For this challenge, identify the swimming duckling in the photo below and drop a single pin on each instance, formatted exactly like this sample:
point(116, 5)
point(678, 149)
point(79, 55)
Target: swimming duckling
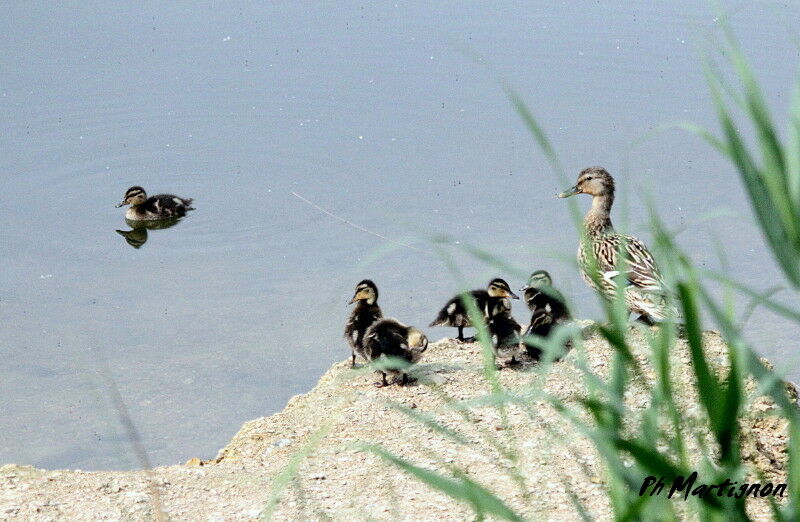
point(161, 206)
point(391, 338)
point(504, 330)
point(455, 314)
point(645, 292)
point(364, 314)
point(547, 309)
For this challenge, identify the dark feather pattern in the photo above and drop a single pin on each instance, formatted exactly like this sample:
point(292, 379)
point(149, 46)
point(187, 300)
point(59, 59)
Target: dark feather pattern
point(389, 338)
point(547, 311)
point(362, 317)
point(163, 206)
point(504, 330)
point(454, 313)
point(160, 206)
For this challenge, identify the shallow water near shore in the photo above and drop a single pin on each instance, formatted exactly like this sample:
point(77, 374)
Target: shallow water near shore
point(381, 115)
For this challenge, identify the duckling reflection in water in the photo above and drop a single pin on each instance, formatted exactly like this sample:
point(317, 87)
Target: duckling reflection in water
point(160, 206)
point(391, 339)
point(455, 313)
point(137, 235)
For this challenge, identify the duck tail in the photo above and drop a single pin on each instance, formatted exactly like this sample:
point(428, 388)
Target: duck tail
point(188, 203)
point(440, 320)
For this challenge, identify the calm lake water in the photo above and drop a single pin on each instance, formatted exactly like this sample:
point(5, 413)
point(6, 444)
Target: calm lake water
point(391, 115)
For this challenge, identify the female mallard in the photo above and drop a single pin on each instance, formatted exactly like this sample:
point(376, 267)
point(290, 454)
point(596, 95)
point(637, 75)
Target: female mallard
point(504, 330)
point(547, 309)
point(161, 206)
point(389, 338)
point(364, 314)
point(645, 293)
point(455, 314)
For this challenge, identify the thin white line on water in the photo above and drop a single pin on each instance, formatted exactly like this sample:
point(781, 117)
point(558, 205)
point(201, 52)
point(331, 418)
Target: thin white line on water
point(358, 227)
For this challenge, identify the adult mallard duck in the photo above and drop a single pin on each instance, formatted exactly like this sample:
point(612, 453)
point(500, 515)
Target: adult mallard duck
point(454, 313)
point(160, 206)
point(548, 309)
point(645, 293)
point(364, 314)
point(504, 330)
point(389, 338)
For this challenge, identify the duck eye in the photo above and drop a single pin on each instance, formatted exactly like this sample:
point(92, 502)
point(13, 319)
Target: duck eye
point(589, 178)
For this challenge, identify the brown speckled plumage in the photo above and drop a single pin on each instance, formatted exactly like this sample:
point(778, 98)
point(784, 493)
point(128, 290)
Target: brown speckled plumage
point(599, 250)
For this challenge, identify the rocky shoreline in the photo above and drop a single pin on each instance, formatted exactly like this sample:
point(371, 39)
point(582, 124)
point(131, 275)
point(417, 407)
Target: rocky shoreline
point(321, 434)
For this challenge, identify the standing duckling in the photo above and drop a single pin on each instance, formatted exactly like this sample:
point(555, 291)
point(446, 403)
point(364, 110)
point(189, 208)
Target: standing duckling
point(161, 206)
point(504, 330)
point(455, 314)
point(391, 338)
point(364, 314)
point(547, 309)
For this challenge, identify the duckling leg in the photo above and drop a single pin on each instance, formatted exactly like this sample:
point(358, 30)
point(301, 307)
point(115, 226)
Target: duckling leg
point(407, 380)
point(383, 382)
point(463, 339)
point(353, 363)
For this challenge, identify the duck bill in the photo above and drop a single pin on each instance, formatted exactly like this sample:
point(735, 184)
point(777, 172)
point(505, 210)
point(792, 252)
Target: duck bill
point(524, 288)
point(570, 192)
point(351, 301)
point(121, 204)
point(513, 295)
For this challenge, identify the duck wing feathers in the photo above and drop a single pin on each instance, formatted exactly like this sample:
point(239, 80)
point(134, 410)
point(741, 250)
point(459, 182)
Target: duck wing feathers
point(454, 313)
point(389, 338)
point(639, 266)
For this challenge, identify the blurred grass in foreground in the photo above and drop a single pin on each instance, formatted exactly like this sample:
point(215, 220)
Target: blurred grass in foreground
point(658, 441)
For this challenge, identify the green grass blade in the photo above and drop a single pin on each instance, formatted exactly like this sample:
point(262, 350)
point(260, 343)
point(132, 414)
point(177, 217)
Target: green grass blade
point(461, 488)
point(289, 473)
point(707, 384)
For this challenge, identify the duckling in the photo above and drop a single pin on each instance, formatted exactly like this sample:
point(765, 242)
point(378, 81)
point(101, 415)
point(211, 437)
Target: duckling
point(645, 292)
point(391, 338)
point(455, 314)
point(504, 330)
point(547, 309)
point(364, 314)
point(161, 206)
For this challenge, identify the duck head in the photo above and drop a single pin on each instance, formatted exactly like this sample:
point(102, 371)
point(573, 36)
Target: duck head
point(538, 279)
point(499, 288)
point(133, 196)
point(417, 343)
point(595, 181)
point(365, 291)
